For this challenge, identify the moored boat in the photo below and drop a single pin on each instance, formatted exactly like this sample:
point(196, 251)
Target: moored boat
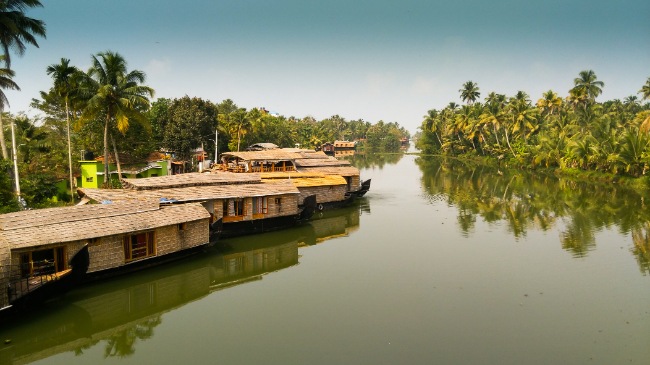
point(237, 204)
point(274, 163)
point(42, 251)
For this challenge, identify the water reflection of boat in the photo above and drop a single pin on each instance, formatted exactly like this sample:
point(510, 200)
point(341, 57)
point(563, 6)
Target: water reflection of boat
point(333, 224)
point(120, 311)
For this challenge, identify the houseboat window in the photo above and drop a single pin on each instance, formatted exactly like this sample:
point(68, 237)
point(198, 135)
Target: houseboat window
point(239, 206)
point(233, 208)
point(89, 179)
point(139, 246)
point(260, 205)
point(42, 262)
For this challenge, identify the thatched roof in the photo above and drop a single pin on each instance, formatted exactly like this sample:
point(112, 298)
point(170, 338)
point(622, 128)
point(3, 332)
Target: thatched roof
point(190, 179)
point(281, 154)
point(193, 193)
point(300, 180)
point(262, 146)
point(332, 170)
point(312, 162)
point(66, 224)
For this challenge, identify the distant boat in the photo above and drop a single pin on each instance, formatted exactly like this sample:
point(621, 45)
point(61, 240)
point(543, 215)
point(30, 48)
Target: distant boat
point(334, 182)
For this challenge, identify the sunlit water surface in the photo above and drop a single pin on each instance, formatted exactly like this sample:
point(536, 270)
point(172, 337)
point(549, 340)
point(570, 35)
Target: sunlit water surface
point(441, 263)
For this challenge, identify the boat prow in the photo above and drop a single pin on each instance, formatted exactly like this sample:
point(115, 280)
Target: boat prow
point(27, 292)
point(365, 186)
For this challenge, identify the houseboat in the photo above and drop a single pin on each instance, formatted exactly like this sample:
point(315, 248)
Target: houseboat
point(275, 163)
point(338, 148)
point(45, 251)
point(121, 305)
point(237, 204)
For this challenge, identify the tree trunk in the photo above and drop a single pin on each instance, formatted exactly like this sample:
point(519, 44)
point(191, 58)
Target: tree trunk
point(509, 146)
point(117, 159)
point(67, 116)
point(496, 135)
point(238, 137)
point(106, 177)
point(5, 155)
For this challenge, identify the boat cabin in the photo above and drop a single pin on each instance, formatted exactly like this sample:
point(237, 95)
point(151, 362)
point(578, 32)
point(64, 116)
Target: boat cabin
point(36, 246)
point(228, 199)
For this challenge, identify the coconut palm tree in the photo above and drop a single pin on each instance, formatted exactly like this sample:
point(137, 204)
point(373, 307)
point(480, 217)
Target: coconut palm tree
point(549, 103)
point(6, 82)
point(469, 93)
point(115, 95)
point(588, 84)
point(237, 122)
point(63, 75)
point(645, 90)
point(16, 29)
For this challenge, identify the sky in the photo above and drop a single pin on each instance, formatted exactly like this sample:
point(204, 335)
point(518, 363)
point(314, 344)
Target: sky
point(370, 59)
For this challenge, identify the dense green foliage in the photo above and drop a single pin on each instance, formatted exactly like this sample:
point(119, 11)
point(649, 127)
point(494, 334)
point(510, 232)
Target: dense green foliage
point(576, 132)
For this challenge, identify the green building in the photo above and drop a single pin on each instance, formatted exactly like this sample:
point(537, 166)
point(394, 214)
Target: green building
point(92, 172)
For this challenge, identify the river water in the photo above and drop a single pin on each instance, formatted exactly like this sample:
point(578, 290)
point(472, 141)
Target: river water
point(441, 263)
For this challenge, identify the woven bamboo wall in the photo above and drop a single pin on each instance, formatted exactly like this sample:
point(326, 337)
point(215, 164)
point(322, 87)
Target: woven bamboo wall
point(324, 194)
point(288, 206)
point(108, 252)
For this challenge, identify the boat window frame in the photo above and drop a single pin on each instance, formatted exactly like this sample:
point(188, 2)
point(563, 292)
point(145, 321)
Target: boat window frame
point(145, 249)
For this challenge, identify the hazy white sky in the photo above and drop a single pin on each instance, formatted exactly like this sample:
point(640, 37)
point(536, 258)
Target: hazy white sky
point(370, 59)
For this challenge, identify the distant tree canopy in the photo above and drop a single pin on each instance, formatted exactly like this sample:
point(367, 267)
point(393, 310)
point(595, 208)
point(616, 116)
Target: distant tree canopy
point(574, 132)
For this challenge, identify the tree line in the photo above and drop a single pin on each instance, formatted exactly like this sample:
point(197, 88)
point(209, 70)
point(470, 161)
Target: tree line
point(575, 132)
point(108, 109)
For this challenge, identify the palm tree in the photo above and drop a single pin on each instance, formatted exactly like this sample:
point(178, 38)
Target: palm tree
point(63, 75)
point(645, 90)
point(237, 122)
point(16, 29)
point(115, 95)
point(549, 103)
point(587, 84)
point(469, 93)
point(6, 82)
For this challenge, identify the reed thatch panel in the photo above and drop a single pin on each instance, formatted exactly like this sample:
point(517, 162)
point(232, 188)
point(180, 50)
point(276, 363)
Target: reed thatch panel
point(190, 179)
point(341, 170)
point(44, 217)
point(103, 226)
point(195, 193)
point(324, 194)
point(313, 162)
point(282, 154)
point(310, 180)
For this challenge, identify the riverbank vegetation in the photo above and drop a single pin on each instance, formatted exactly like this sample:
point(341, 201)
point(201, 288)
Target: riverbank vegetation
point(573, 134)
point(111, 111)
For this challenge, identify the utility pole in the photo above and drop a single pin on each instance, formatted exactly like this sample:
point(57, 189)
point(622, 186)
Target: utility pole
point(13, 149)
point(216, 151)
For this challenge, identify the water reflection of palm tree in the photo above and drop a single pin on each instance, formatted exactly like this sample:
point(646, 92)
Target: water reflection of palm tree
point(524, 200)
point(122, 343)
point(641, 248)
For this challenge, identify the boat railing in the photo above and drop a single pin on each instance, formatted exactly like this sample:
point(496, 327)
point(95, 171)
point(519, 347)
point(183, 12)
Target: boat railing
point(24, 278)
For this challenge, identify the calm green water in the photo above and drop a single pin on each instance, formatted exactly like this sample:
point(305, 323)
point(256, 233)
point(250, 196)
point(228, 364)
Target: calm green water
point(441, 263)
